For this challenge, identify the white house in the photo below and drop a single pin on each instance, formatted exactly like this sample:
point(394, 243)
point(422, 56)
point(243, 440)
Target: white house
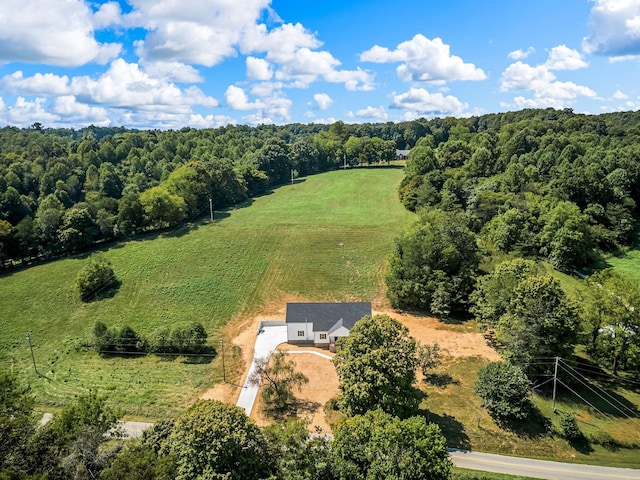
point(321, 324)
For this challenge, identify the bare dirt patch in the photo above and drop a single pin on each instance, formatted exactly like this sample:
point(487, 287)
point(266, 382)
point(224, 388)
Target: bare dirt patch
point(455, 342)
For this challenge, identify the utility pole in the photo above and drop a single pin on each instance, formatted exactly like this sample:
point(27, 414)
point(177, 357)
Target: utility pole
point(224, 372)
point(32, 355)
point(292, 177)
point(555, 379)
point(211, 208)
point(345, 161)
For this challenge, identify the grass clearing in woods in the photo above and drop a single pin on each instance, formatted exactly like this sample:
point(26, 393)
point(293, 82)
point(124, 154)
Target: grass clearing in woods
point(325, 238)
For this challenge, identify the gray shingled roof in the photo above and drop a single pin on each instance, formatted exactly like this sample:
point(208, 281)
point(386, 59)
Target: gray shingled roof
point(325, 315)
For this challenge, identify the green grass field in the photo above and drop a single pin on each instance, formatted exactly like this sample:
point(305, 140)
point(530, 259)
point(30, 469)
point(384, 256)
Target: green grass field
point(324, 238)
point(628, 265)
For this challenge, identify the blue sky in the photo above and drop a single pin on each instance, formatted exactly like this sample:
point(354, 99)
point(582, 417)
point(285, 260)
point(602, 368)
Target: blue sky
point(207, 63)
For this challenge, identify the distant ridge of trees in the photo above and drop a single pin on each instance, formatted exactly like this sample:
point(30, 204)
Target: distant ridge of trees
point(571, 179)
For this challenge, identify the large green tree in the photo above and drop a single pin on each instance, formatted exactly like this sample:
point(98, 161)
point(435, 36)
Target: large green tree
point(496, 290)
point(540, 321)
point(214, 440)
point(434, 265)
point(611, 320)
point(504, 389)
point(17, 424)
point(379, 446)
point(376, 366)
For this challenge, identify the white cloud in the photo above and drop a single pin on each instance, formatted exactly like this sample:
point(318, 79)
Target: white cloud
point(281, 43)
point(620, 95)
point(172, 71)
point(521, 54)
point(353, 80)
point(377, 113)
point(108, 14)
point(424, 60)
point(323, 100)
point(614, 29)
point(24, 112)
point(258, 69)
point(55, 33)
point(292, 52)
point(565, 58)
point(547, 90)
point(275, 106)
point(421, 100)
point(39, 84)
point(69, 109)
point(126, 85)
point(237, 99)
point(202, 32)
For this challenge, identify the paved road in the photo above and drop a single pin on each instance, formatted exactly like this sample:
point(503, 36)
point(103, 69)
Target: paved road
point(538, 468)
point(130, 429)
point(266, 343)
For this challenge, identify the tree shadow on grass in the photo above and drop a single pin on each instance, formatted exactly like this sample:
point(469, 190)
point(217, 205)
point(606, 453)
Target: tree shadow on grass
point(452, 429)
point(534, 426)
point(103, 293)
point(441, 380)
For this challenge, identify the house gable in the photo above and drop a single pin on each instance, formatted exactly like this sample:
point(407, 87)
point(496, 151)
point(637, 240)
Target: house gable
point(327, 319)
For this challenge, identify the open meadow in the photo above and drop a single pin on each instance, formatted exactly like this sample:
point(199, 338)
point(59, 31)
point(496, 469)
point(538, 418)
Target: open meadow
point(325, 238)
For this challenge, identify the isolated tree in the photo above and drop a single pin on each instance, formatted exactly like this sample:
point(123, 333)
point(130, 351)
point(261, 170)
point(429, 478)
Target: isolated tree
point(379, 446)
point(278, 380)
point(95, 278)
point(429, 357)
point(376, 366)
point(215, 440)
point(504, 389)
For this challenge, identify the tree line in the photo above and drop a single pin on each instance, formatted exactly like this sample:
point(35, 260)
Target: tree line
point(62, 191)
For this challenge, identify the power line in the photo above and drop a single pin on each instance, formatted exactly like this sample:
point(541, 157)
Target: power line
point(580, 397)
point(603, 391)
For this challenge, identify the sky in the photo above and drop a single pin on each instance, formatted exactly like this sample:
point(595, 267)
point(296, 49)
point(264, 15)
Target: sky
point(169, 64)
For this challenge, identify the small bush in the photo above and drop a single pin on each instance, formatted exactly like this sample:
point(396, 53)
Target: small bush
point(569, 427)
point(95, 278)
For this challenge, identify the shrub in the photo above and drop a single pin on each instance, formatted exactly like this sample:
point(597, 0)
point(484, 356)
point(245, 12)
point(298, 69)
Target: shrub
point(504, 389)
point(569, 427)
point(95, 278)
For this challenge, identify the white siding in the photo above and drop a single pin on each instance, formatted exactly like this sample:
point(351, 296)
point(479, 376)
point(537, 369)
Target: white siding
point(294, 328)
point(340, 332)
point(319, 341)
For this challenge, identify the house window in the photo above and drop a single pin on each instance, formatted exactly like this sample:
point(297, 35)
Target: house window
point(301, 333)
point(323, 336)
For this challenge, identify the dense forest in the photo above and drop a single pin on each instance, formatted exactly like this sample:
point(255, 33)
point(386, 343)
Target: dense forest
point(501, 196)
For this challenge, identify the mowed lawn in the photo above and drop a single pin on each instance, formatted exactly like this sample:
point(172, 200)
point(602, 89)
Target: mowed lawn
point(325, 238)
point(628, 265)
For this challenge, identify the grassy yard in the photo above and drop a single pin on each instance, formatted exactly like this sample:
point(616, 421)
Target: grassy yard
point(458, 410)
point(324, 238)
point(628, 265)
